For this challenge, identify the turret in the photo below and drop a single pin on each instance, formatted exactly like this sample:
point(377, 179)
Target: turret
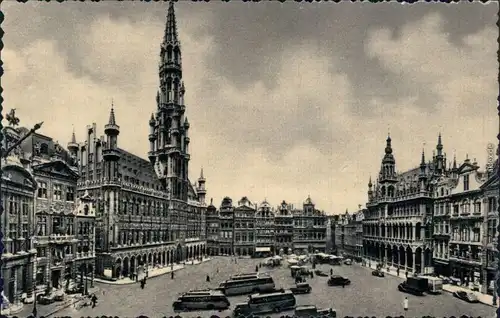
point(73, 145)
point(440, 167)
point(110, 153)
point(370, 190)
point(201, 188)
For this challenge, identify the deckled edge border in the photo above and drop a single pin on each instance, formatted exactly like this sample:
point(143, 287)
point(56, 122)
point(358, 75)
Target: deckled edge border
point(1, 142)
point(498, 170)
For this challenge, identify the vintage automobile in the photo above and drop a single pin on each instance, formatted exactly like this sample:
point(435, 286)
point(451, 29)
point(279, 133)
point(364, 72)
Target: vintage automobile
point(378, 273)
point(45, 300)
point(320, 273)
point(409, 289)
point(59, 295)
point(308, 311)
point(348, 261)
point(467, 296)
point(301, 288)
point(337, 280)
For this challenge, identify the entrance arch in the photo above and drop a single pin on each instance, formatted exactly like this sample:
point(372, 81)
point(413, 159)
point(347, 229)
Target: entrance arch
point(118, 268)
point(126, 268)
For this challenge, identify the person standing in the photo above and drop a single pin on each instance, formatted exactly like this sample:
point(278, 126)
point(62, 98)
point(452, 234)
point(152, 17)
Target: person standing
point(405, 304)
point(208, 279)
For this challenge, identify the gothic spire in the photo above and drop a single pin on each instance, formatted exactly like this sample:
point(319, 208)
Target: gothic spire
point(73, 137)
point(112, 119)
point(422, 161)
point(440, 143)
point(201, 175)
point(170, 35)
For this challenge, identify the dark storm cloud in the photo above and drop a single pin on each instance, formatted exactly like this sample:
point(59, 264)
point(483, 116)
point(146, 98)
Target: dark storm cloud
point(248, 37)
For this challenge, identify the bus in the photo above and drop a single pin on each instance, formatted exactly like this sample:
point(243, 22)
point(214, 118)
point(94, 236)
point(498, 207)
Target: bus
point(201, 300)
point(265, 303)
point(241, 286)
point(244, 276)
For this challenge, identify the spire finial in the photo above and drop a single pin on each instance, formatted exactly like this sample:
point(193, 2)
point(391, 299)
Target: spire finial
point(171, 27)
point(422, 162)
point(73, 137)
point(201, 173)
point(112, 119)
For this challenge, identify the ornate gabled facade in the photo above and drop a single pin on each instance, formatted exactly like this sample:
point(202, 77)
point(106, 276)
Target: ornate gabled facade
point(264, 229)
point(148, 212)
point(283, 225)
point(244, 228)
point(226, 219)
point(491, 201)
point(466, 223)
point(309, 230)
point(212, 225)
point(54, 236)
point(18, 222)
point(397, 222)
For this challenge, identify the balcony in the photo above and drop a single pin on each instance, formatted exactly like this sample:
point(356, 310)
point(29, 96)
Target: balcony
point(61, 239)
point(465, 259)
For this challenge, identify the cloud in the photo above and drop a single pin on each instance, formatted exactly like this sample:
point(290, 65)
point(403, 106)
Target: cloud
point(285, 141)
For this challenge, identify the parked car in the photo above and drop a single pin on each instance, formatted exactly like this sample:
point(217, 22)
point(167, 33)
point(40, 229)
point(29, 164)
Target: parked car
point(336, 280)
point(378, 273)
point(301, 288)
point(348, 261)
point(467, 296)
point(320, 273)
point(59, 295)
point(45, 300)
point(311, 311)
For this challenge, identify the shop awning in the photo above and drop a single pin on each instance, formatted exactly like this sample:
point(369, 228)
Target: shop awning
point(262, 249)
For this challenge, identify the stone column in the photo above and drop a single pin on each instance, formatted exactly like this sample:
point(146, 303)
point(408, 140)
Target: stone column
point(414, 267)
point(16, 285)
point(407, 256)
point(92, 276)
point(29, 280)
point(386, 254)
point(48, 275)
point(414, 231)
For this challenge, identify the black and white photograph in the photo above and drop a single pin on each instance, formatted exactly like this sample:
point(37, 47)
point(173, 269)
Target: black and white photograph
point(249, 159)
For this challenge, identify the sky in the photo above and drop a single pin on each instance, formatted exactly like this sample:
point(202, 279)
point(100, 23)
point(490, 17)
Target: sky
point(284, 100)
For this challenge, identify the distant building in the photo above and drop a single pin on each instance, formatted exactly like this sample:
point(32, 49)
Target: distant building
point(352, 234)
point(309, 232)
point(244, 228)
point(490, 229)
point(226, 217)
point(212, 224)
point(284, 228)
point(264, 230)
point(397, 226)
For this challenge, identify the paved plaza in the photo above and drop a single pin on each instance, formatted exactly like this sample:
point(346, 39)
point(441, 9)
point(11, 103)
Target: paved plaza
point(366, 296)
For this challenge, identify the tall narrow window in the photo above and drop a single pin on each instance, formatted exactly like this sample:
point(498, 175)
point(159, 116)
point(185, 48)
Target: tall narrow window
point(57, 192)
point(466, 183)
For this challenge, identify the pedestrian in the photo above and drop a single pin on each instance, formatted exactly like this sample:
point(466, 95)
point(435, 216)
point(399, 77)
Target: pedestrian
point(208, 279)
point(405, 304)
point(406, 274)
point(397, 271)
point(217, 270)
point(331, 271)
point(256, 268)
point(94, 300)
